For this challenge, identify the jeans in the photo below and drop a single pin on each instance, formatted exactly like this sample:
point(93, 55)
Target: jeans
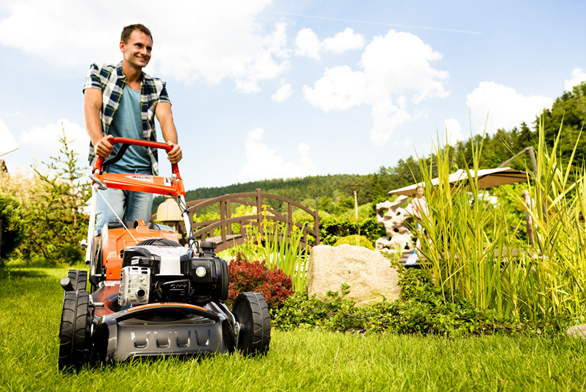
point(128, 205)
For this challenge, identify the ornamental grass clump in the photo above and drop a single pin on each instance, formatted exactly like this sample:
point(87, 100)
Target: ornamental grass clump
point(472, 253)
point(278, 244)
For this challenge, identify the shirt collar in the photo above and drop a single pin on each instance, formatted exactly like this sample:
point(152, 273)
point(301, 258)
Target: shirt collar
point(144, 77)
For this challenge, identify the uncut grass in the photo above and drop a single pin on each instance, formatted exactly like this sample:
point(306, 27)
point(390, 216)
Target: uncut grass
point(30, 306)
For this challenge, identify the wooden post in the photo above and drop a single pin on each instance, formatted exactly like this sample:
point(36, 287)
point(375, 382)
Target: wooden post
point(355, 204)
point(316, 226)
point(228, 216)
point(290, 218)
point(223, 217)
point(259, 210)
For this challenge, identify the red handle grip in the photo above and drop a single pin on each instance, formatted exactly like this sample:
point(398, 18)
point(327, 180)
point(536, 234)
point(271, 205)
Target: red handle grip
point(138, 142)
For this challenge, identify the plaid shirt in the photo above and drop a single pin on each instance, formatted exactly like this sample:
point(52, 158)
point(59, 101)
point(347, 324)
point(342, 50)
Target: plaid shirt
point(110, 80)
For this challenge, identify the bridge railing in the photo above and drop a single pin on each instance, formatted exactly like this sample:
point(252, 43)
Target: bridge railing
point(228, 238)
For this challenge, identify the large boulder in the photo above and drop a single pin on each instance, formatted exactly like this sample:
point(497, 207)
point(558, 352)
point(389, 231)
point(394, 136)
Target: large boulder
point(369, 274)
point(396, 221)
point(577, 331)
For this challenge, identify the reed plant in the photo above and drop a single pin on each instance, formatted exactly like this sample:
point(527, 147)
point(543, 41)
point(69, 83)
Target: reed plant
point(471, 250)
point(278, 244)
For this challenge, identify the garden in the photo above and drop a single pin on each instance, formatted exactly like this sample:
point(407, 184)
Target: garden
point(487, 311)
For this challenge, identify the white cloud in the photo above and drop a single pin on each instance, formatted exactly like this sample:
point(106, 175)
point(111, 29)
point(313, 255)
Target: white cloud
point(283, 93)
point(504, 107)
point(454, 131)
point(212, 40)
point(344, 41)
point(578, 76)
point(400, 63)
point(340, 88)
point(395, 67)
point(308, 44)
point(263, 162)
point(47, 138)
point(387, 117)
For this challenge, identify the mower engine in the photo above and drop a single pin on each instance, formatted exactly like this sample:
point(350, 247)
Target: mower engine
point(171, 273)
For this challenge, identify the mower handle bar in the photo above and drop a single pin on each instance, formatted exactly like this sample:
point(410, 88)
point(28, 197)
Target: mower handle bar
point(137, 142)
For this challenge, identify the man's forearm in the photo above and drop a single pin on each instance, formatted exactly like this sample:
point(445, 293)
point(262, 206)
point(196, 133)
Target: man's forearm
point(92, 105)
point(170, 133)
point(93, 125)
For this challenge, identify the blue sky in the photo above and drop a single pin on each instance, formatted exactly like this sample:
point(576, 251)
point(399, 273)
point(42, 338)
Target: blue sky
point(280, 89)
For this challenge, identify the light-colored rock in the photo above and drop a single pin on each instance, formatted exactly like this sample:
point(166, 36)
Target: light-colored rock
point(396, 221)
point(577, 331)
point(368, 273)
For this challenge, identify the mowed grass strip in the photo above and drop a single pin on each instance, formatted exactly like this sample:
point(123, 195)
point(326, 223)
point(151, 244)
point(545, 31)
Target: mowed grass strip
point(302, 360)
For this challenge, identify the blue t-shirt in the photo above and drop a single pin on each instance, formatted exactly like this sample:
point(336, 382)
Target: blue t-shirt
point(127, 123)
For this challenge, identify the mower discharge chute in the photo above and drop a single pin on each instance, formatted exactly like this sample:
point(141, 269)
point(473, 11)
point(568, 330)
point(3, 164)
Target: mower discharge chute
point(149, 295)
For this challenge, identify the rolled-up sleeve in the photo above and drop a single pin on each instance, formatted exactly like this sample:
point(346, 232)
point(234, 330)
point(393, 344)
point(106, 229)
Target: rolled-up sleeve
point(93, 79)
point(163, 96)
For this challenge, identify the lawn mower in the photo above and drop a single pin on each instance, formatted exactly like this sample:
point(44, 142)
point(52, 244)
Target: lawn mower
point(149, 295)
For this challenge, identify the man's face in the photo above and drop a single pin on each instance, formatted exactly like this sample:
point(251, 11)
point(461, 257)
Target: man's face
point(137, 51)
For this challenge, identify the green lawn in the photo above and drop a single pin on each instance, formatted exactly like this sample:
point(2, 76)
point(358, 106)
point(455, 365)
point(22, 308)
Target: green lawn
point(30, 306)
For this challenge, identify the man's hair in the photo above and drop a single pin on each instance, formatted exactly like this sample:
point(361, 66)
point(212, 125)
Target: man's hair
point(127, 31)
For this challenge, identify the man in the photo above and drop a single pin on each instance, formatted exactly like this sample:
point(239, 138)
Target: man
point(121, 100)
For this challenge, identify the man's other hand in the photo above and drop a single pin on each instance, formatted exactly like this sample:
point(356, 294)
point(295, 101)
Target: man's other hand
point(104, 148)
point(175, 154)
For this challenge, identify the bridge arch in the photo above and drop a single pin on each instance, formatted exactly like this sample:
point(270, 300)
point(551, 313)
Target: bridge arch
point(228, 238)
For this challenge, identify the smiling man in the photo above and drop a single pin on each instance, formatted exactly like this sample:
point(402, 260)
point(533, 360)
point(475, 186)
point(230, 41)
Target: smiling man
point(122, 101)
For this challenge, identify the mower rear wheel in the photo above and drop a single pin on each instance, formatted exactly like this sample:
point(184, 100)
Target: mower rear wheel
point(252, 313)
point(74, 331)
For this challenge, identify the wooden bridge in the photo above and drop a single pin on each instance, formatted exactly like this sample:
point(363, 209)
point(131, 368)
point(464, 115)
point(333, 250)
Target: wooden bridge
point(204, 230)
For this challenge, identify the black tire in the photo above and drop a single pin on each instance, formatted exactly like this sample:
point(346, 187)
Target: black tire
point(220, 292)
point(252, 313)
point(74, 331)
point(78, 279)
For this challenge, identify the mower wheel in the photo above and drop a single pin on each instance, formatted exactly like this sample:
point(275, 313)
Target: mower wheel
point(78, 279)
point(74, 331)
point(252, 313)
point(221, 290)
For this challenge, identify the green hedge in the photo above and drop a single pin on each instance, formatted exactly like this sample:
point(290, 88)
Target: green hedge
point(356, 240)
point(332, 228)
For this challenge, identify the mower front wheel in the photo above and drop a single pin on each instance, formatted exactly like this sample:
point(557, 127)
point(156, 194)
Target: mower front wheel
point(74, 331)
point(78, 279)
point(252, 313)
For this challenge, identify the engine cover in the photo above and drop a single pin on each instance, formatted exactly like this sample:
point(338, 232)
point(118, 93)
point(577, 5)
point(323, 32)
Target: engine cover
point(174, 273)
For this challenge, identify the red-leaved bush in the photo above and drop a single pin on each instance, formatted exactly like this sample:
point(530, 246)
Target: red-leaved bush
point(274, 285)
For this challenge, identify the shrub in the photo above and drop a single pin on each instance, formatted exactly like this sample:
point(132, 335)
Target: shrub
point(11, 217)
point(357, 240)
point(332, 227)
point(274, 284)
point(421, 310)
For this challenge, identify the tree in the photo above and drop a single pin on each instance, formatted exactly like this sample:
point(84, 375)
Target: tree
point(56, 221)
point(12, 229)
point(568, 114)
